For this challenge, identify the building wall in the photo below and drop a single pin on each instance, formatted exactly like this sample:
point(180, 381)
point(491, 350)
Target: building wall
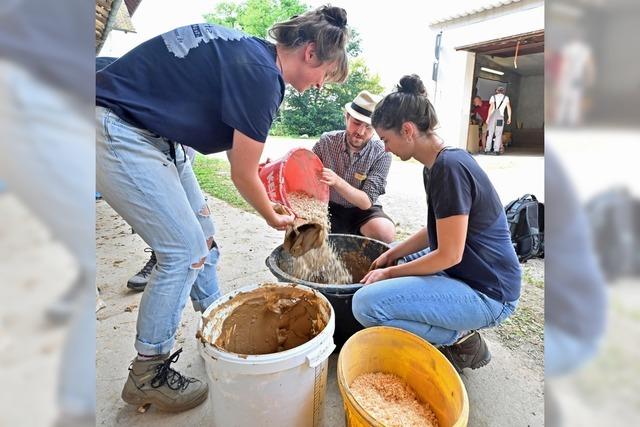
point(530, 107)
point(453, 90)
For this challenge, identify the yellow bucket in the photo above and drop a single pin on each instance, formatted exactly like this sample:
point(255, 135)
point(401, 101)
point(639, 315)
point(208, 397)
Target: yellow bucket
point(420, 364)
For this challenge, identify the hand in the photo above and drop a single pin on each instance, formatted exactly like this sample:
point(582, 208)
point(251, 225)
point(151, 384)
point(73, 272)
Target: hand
point(329, 177)
point(509, 121)
point(376, 276)
point(382, 261)
point(279, 221)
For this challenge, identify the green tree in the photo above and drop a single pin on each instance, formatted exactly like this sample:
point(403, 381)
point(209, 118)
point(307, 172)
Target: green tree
point(314, 111)
point(255, 17)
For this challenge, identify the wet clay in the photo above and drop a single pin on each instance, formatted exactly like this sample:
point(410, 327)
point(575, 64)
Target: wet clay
point(357, 264)
point(272, 319)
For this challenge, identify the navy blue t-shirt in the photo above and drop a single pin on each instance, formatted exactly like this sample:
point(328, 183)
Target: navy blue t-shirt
point(458, 186)
point(195, 85)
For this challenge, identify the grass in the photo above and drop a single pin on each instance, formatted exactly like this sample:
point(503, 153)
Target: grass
point(529, 278)
point(524, 330)
point(526, 325)
point(214, 176)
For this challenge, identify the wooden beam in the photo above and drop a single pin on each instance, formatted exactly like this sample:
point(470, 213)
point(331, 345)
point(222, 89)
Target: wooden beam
point(524, 49)
point(533, 35)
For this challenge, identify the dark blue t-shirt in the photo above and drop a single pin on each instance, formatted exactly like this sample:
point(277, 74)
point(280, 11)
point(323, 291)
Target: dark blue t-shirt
point(195, 85)
point(458, 186)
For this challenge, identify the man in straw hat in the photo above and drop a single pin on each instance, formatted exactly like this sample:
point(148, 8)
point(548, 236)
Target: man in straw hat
point(356, 166)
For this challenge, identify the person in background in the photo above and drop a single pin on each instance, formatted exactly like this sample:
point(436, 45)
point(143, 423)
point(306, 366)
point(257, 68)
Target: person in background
point(479, 115)
point(356, 167)
point(497, 104)
point(214, 89)
point(461, 272)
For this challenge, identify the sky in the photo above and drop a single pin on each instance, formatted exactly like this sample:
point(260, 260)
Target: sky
point(395, 40)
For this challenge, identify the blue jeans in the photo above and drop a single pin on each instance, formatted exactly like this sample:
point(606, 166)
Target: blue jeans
point(163, 202)
point(437, 307)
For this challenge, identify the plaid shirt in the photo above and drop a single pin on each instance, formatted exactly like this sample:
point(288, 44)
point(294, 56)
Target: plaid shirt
point(365, 170)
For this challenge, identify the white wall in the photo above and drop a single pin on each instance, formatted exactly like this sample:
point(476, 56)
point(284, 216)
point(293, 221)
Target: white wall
point(530, 108)
point(453, 92)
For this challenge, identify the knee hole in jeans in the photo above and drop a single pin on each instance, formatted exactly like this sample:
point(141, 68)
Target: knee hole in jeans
point(198, 265)
point(205, 212)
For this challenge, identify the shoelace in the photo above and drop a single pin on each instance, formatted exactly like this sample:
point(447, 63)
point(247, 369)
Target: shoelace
point(168, 376)
point(146, 270)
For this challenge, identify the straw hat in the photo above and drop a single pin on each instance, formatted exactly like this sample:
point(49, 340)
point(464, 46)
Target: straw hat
point(362, 106)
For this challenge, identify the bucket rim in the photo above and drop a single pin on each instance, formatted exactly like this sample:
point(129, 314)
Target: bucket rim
point(346, 392)
point(270, 358)
point(322, 287)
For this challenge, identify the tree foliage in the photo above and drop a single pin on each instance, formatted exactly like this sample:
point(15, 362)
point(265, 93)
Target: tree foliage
point(314, 111)
point(255, 17)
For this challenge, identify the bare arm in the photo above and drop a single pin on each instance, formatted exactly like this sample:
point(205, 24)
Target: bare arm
point(509, 111)
point(452, 234)
point(244, 157)
point(415, 243)
point(354, 196)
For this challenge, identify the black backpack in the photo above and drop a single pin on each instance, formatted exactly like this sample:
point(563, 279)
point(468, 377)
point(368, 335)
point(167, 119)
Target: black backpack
point(525, 217)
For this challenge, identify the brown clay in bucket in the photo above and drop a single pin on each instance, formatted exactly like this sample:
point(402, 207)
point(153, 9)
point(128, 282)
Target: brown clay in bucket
point(272, 319)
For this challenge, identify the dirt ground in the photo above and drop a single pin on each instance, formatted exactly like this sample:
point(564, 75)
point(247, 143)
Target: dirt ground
point(507, 392)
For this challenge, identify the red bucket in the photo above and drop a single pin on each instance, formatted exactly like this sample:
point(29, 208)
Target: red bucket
point(298, 171)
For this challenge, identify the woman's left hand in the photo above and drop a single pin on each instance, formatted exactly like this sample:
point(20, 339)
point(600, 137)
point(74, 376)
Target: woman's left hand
point(376, 276)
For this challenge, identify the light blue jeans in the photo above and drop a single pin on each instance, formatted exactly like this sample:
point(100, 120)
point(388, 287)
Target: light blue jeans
point(163, 202)
point(437, 307)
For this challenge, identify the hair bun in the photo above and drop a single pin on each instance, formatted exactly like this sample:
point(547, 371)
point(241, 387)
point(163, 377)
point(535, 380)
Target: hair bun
point(335, 16)
point(411, 84)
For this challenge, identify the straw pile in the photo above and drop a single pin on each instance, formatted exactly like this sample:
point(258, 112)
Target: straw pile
point(391, 401)
point(322, 264)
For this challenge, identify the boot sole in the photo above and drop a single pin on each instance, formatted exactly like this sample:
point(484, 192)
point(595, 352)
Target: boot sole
point(137, 288)
point(483, 362)
point(142, 402)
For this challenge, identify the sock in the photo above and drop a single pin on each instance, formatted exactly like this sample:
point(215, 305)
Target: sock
point(145, 357)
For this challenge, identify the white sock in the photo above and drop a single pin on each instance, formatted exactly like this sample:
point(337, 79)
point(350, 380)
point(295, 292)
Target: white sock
point(144, 357)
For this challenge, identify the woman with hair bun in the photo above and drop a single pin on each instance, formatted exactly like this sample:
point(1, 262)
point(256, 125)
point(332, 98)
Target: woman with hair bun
point(460, 272)
point(214, 89)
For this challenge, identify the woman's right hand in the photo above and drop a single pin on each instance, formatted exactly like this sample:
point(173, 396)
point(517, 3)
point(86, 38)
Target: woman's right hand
point(384, 260)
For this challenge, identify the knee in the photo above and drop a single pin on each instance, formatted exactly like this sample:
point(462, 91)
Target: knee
point(198, 265)
point(379, 229)
point(190, 251)
point(362, 308)
point(387, 233)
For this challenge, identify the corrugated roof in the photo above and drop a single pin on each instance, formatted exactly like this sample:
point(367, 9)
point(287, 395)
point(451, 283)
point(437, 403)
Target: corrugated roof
point(478, 7)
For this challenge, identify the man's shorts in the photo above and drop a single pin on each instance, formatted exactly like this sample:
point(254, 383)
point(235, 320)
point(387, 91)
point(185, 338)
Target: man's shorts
point(349, 220)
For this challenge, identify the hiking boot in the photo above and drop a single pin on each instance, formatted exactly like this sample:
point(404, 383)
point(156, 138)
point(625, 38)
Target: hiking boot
point(470, 351)
point(139, 281)
point(153, 382)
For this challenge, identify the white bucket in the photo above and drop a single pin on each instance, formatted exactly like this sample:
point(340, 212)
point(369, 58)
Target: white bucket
point(284, 389)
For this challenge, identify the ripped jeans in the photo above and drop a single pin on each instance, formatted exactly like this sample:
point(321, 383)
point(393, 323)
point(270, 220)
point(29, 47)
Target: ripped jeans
point(163, 202)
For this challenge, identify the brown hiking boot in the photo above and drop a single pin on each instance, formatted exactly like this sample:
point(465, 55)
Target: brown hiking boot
point(470, 351)
point(153, 382)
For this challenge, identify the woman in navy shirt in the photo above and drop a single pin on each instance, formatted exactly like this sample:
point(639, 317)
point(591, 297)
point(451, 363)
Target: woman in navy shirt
point(461, 271)
point(214, 89)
